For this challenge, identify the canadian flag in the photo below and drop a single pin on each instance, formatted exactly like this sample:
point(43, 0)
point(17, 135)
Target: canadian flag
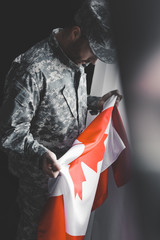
point(82, 184)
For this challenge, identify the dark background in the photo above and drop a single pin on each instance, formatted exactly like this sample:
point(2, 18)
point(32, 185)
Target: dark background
point(136, 28)
point(24, 23)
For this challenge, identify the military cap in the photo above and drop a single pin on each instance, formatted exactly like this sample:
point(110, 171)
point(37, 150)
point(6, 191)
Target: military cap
point(94, 19)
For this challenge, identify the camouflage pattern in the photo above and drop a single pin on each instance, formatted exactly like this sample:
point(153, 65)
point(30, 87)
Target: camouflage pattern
point(95, 21)
point(41, 110)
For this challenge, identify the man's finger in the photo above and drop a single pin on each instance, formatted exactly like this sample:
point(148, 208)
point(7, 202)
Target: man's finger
point(51, 173)
point(55, 168)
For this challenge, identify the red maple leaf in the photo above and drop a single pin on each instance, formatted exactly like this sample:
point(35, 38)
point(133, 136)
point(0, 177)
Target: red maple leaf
point(93, 138)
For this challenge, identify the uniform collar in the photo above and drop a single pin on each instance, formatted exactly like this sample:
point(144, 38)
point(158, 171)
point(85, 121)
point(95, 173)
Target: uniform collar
point(58, 51)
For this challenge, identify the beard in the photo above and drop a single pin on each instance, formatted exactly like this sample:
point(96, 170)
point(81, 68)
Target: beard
point(74, 51)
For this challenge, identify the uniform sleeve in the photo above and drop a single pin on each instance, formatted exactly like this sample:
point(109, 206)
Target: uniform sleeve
point(92, 103)
point(21, 100)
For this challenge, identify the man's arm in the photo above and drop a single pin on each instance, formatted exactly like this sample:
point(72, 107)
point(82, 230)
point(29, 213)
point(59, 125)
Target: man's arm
point(95, 104)
point(92, 103)
point(19, 107)
point(106, 96)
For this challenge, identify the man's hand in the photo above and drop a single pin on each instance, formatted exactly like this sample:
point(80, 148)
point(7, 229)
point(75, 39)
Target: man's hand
point(50, 165)
point(107, 96)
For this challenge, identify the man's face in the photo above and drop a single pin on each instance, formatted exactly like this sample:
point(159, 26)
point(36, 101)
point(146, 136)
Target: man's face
point(80, 52)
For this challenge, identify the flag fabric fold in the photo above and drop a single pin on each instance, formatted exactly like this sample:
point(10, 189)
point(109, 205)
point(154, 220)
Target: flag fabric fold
point(82, 184)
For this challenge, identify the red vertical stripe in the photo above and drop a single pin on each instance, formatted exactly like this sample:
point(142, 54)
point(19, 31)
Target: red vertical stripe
point(102, 190)
point(52, 221)
point(121, 167)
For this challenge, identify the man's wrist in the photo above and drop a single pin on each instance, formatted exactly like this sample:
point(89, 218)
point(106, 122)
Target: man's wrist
point(41, 160)
point(100, 103)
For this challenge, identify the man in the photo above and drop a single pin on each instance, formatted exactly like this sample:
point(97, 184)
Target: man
point(45, 105)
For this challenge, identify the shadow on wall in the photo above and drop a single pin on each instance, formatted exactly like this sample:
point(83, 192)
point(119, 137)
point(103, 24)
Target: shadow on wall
point(137, 33)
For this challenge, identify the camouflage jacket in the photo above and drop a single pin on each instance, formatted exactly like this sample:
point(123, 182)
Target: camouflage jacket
point(42, 108)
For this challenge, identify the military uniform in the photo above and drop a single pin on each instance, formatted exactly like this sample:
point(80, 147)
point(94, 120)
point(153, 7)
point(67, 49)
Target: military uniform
point(44, 108)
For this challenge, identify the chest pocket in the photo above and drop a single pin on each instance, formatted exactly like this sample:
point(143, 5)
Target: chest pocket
point(63, 104)
point(70, 99)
